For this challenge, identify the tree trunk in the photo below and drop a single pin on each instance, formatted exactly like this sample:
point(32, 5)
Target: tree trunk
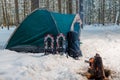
point(6, 13)
point(77, 6)
point(85, 11)
point(16, 12)
point(47, 4)
point(103, 11)
point(69, 6)
point(25, 8)
point(59, 6)
point(119, 13)
point(99, 16)
point(81, 9)
point(113, 17)
point(115, 12)
point(109, 12)
point(10, 15)
point(53, 5)
point(4, 19)
point(34, 4)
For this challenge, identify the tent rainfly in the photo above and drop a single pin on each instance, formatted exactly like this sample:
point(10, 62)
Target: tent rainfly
point(29, 36)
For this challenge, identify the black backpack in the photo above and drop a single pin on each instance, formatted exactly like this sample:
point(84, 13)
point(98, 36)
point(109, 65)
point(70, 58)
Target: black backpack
point(73, 47)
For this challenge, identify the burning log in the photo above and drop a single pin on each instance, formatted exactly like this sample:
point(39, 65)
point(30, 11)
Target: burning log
point(96, 70)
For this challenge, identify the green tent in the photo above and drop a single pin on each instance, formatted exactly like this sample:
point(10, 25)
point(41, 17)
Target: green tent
point(31, 32)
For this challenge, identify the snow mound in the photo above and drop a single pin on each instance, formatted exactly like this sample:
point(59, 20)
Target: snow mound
point(20, 66)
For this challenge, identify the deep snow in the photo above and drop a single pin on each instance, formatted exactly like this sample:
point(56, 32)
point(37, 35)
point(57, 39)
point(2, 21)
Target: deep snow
point(4, 35)
point(104, 40)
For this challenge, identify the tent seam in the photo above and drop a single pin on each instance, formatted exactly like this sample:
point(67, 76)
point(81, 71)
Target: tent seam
point(54, 22)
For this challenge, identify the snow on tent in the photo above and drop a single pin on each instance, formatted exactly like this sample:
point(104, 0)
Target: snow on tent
point(29, 36)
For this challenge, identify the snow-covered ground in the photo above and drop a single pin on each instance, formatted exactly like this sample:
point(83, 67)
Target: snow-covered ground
point(4, 35)
point(104, 40)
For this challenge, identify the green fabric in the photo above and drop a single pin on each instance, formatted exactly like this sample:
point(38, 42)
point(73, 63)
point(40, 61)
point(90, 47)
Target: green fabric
point(63, 22)
point(38, 24)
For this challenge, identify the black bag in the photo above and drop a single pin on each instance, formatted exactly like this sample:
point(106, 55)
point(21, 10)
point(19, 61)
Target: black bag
point(73, 47)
